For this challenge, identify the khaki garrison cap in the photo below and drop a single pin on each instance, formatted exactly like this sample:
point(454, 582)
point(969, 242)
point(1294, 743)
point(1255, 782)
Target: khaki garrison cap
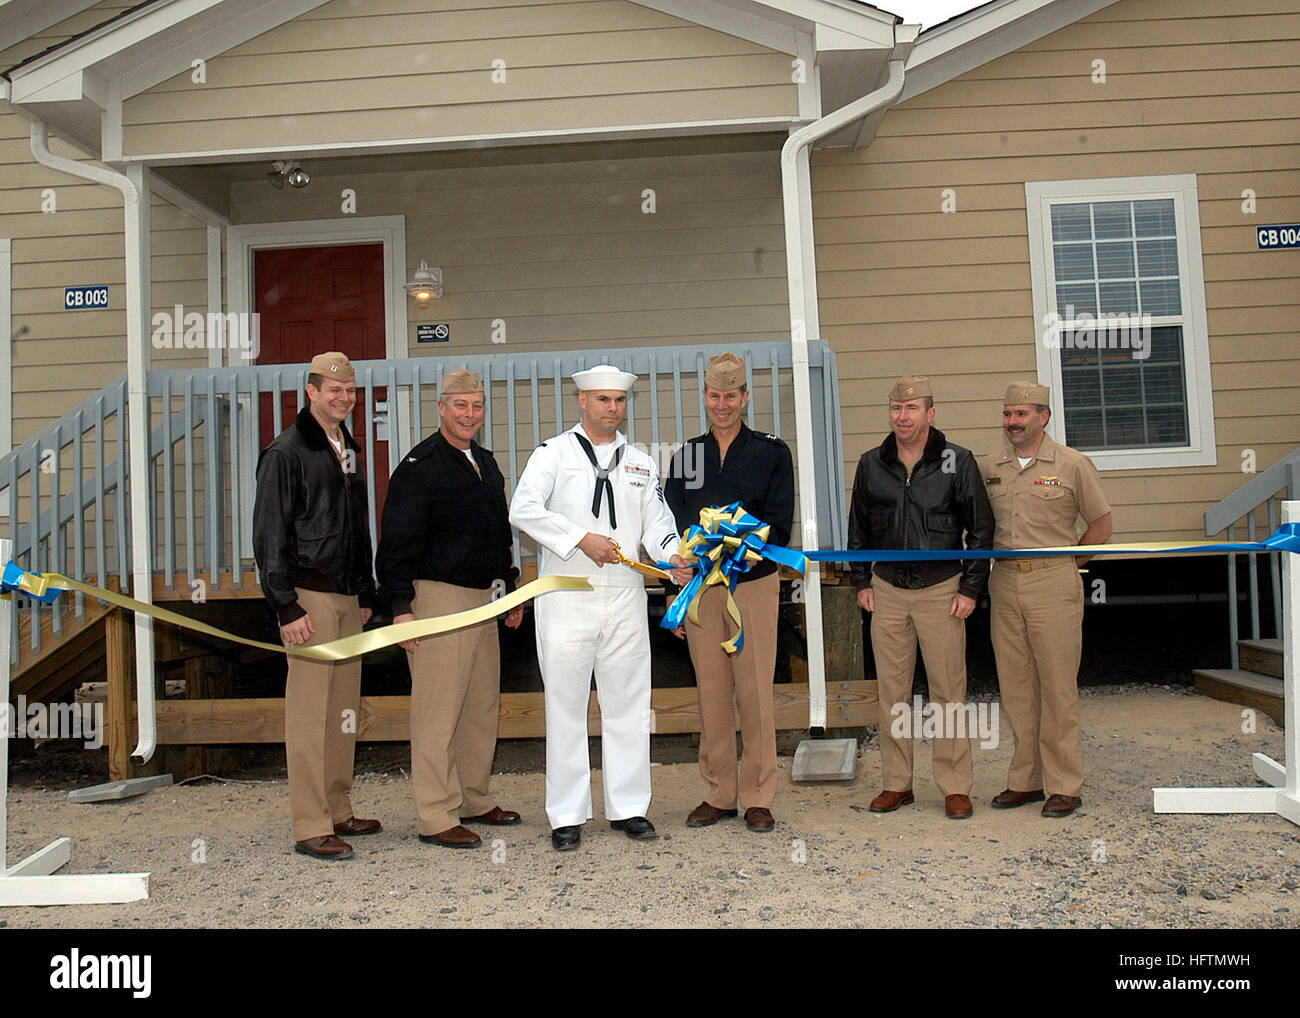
point(1027, 392)
point(911, 387)
point(460, 381)
point(332, 365)
point(726, 371)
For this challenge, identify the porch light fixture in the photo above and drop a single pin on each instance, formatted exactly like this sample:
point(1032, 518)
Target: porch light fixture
point(289, 172)
point(425, 284)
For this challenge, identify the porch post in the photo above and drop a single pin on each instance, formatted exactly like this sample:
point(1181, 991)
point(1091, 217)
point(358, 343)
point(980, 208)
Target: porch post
point(804, 322)
point(139, 304)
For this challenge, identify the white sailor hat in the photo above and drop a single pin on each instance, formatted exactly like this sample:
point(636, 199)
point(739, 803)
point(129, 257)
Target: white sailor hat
point(604, 376)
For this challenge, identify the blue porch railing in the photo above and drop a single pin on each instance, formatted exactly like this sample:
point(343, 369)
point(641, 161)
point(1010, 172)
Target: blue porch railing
point(1261, 494)
point(67, 485)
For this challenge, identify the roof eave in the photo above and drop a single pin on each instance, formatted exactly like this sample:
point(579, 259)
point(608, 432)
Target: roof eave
point(984, 34)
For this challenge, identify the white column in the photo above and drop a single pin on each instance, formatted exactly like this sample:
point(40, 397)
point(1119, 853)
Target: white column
point(139, 309)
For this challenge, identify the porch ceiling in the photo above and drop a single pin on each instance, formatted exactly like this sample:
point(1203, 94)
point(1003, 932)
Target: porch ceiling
point(210, 183)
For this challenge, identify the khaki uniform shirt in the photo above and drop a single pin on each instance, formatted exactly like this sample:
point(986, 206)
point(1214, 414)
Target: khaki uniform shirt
point(1038, 506)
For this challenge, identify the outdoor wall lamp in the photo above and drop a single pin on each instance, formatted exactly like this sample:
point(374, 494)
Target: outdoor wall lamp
point(291, 172)
point(425, 284)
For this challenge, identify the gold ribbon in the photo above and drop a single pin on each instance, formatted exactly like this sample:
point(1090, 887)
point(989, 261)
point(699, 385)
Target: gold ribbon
point(334, 650)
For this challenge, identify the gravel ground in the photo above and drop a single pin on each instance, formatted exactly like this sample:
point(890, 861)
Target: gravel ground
point(220, 853)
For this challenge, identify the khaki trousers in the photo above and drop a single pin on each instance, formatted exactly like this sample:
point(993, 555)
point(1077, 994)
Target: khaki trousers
point(743, 680)
point(1037, 639)
point(455, 701)
point(320, 738)
point(902, 619)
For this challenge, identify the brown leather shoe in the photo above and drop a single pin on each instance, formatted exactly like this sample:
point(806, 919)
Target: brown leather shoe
point(706, 815)
point(887, 801)
point(496, 816)
point(957, 807)
point(354, 826)
point(759, 818)
point(1061, 805)
point(1009, 799)
point(453, 837)
point(328, 847)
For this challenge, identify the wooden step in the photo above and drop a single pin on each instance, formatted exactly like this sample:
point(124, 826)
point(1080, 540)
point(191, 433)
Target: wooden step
point(1263, 656)
point(1237, 685)
point(49, 670)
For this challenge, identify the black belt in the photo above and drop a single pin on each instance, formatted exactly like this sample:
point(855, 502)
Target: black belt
point(602, 479)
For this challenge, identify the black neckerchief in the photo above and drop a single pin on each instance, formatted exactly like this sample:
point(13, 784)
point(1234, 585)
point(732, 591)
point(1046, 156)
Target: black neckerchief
point(602, 479)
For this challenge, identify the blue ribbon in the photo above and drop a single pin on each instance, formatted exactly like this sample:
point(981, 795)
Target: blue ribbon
point(1285, 538)
point(748, 544)
point(12, 580)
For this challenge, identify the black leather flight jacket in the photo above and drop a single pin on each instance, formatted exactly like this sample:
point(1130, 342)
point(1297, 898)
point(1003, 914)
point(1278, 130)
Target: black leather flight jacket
point(944, 497)
point(311, 525)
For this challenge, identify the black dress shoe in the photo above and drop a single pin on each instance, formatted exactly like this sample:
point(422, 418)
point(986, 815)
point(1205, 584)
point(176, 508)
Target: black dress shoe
point(564, 839)
point(638, 828)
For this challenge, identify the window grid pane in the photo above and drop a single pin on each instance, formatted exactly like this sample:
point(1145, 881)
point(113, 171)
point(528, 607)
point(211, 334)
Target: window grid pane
point(1117, 257)
point(1118, 397)
point(1123, 388)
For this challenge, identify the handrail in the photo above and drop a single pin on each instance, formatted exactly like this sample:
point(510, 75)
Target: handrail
point(1255, 492)
point(1267, 487)
point(69, 506)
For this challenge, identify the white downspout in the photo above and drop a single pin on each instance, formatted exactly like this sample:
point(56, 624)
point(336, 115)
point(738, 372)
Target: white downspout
point(801, 271)
point(135, 195)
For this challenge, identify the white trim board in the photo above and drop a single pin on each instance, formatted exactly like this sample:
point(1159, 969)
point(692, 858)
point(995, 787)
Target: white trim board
point(622, 132)
point(984, 34)
point(1201, 449)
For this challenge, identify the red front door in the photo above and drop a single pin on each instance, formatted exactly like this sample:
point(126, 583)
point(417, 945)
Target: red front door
point(314, 299)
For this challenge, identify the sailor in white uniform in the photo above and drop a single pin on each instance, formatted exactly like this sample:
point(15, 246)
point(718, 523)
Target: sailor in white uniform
point(580, 492)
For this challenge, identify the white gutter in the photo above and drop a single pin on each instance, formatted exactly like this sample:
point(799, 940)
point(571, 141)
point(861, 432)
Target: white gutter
point(135, 195)
point(801, 272)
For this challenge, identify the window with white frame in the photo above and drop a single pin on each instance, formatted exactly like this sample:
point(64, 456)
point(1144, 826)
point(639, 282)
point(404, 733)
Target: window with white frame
point(1119, 303)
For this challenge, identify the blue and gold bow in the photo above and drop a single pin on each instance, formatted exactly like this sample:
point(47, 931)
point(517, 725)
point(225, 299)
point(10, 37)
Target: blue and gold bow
point(725, 543)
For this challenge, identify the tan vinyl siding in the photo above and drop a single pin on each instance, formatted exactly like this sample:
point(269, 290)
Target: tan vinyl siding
point(564, 255)
point(1212, 90)
point(402, 70)
point(61, 357)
